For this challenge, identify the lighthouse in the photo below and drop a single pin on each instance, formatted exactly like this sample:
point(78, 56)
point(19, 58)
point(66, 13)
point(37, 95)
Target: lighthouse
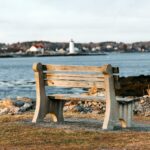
point(71, 47)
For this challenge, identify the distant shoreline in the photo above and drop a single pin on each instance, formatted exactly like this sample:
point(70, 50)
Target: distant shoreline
point(49, 55)
point(54, 55)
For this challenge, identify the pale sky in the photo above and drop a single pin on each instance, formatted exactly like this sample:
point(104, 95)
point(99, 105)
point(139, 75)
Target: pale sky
point(81, 20)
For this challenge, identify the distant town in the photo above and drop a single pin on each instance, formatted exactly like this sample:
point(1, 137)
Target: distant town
point(46, 48)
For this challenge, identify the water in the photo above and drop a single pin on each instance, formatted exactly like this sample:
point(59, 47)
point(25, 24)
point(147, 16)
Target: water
point(17, 78)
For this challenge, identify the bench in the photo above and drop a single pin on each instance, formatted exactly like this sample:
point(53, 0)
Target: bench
point(87, 77)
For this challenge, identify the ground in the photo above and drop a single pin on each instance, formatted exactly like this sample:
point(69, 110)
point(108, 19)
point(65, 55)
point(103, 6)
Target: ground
point(80, 131)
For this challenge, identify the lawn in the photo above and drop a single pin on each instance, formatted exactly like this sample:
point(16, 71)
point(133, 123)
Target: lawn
point(18, 133)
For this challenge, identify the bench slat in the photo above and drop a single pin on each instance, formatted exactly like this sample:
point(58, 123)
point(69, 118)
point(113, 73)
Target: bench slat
point(79, 77)
point(74, 97)
point(126, 100)
point(77, 84)
point(72, 68)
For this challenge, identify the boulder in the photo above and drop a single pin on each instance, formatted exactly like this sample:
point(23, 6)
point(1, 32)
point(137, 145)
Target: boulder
point(24, 99)
point(25, 107)
point(18, 103)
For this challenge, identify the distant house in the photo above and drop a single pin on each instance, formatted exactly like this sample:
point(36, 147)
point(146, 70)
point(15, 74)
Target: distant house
point(37, 48)
point(109, 46)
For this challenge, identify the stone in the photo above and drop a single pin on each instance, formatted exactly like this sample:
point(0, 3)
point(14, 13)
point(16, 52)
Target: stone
point(94, 103)
point(71, 107)
point(4, 111)
point(86, 105)
point(24, 99)
point(14, 110)
point(147, 114)
point(87, 109)
point(95, 112)
point(25, 107)
point(66, 108)
point(89, 103)
point(142, 101)
point(78, 108)
point(18, 103)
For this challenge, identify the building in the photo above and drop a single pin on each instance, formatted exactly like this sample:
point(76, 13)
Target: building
point(37, 48)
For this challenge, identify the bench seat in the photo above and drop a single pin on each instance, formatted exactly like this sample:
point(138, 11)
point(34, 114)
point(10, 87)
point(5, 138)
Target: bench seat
point(77, 97)
point(126, 104)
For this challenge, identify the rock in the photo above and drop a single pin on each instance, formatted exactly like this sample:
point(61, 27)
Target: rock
point(4, 111)
point(87, 109)
point(71, 107)
point(95, 112)
point(78, 108)
point(143, 106)
point(94, 103)
point(90, 103)
point(18, 103)
point(14, 110)
point(25, 107)
point(68, 103)
point(145, 96)
point(142, 101)
point(147, 114)
point(86, 105)
point(24, 99)
point(66, 108)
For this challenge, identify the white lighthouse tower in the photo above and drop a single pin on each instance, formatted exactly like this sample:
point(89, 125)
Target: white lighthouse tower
point(71, 47)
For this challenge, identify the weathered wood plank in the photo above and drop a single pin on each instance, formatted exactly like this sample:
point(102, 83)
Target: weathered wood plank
point(77, 84)
point(74, 97)
point(79, 77)
point(72, 68)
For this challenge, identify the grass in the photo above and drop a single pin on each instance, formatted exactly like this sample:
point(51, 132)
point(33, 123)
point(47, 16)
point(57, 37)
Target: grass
point(16, 132)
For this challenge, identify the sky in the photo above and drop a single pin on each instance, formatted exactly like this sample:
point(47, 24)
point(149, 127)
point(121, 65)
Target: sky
point(81, 20)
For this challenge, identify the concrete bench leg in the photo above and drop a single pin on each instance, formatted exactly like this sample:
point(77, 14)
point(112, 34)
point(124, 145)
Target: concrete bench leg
point(56, 110)
point(112, 111)
point(126, 114)
point(41, 109)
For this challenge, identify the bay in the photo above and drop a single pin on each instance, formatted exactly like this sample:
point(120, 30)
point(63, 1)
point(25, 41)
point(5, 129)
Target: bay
point(17, 77)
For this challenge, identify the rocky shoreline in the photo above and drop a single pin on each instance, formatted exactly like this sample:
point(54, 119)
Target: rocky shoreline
point(50, 55)
point(24, 104)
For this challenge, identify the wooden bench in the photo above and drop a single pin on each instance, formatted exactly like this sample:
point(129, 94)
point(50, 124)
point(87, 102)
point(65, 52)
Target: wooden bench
point(103, 77)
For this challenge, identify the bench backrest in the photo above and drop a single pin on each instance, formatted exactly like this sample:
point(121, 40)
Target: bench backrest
point(75, 76)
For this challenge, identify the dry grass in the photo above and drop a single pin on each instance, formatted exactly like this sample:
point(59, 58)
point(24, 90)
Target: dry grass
point(18, 135)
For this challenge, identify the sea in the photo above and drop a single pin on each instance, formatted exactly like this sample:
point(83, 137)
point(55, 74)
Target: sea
point(17, 76)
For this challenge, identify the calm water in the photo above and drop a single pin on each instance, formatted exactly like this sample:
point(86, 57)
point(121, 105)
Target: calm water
point(16, 75)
